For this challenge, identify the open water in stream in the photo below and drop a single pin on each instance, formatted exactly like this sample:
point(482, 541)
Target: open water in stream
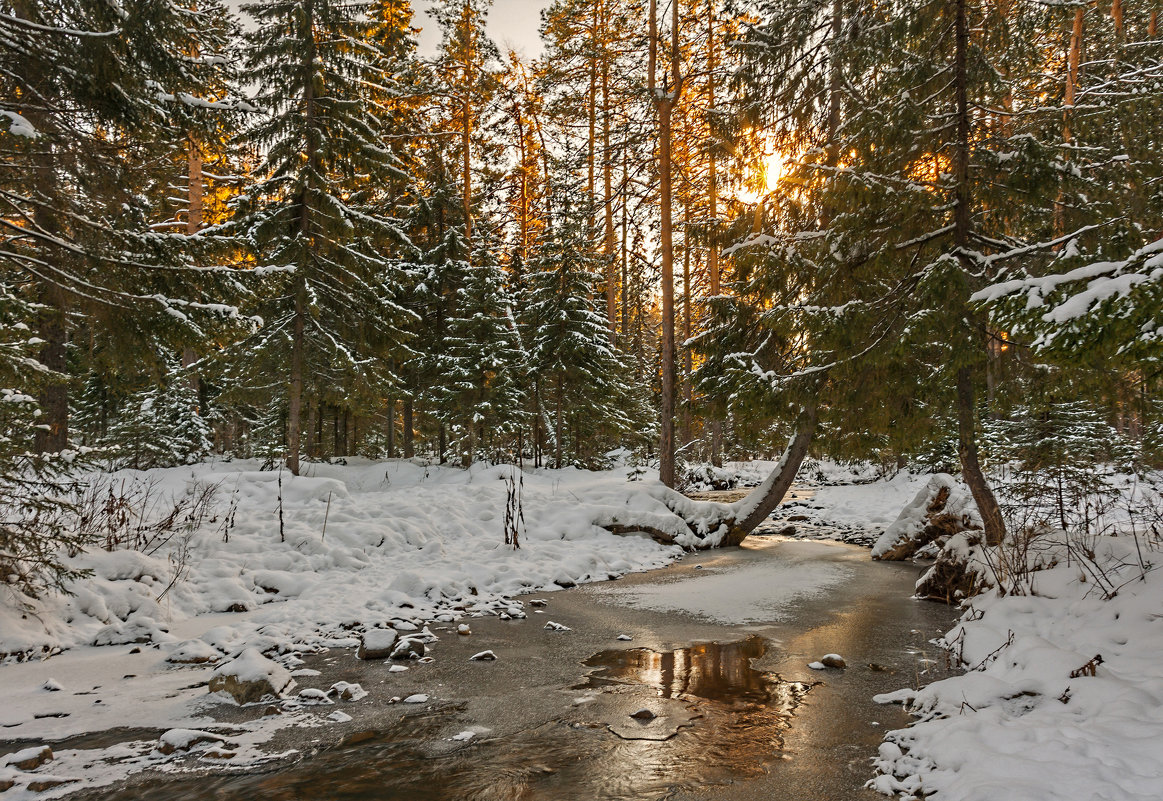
point(734, 712)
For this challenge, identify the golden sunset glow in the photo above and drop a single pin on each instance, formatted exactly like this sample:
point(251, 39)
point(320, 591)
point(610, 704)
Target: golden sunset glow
point(765, 177)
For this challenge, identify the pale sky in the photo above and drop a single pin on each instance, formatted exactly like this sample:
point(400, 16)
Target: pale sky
point(512, 24)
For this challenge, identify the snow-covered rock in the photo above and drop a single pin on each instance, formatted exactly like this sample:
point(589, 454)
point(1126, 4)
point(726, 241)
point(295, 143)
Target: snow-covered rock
point(347, 691)
point(309, 696)
point(552, 626)
point(483, 656)
point(28, 758)
point(176, 740)
point(193, 652)
point(250, 676)
point(377, 643)
point(409, 648)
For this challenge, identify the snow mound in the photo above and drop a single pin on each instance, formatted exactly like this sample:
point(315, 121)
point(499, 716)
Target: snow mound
point(405, 543)
point(942, 508)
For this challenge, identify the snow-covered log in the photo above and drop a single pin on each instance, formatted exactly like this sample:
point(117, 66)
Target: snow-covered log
point(699, 525)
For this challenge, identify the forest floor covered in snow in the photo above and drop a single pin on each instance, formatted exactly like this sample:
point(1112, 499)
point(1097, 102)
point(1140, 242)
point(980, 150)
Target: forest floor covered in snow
point(364, 546)
point(1061, 698)
point(273, 568)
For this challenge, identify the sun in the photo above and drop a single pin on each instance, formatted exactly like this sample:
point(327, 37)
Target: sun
point(764, 179)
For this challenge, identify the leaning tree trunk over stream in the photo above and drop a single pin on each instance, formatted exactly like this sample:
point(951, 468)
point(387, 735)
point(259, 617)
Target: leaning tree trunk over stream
point(703, 525)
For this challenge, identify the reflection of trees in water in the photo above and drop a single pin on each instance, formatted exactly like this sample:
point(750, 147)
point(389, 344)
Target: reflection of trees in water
point(716, 671)
point(743, 715)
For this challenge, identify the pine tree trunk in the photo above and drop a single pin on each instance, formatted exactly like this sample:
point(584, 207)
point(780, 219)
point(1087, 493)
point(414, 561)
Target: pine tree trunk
point(557, 456)
point(409, 443)
point(962, 224)
point(665, 102)
point(608, 188)
point(770, 494)
point(310, 443)
point(592, 114)
point(295, 399)
point(318, 429)
point(466, 134)
point(713, 211)
point(1073, 61)
point(391, 429)
point(625, 247)
point(193, 226)
point(298, 325)
point(687, 365)
point(991, 516)
point(53, 398)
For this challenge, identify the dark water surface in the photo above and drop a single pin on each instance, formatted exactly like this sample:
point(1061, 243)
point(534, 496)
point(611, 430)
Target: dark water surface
point(734, 713)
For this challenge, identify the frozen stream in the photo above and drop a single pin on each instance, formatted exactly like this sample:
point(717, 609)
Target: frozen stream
point(719, 653)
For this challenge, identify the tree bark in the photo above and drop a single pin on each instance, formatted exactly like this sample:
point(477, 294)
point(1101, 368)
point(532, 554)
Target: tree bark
point(1073, 61)
point(193, 226)
point(991, 517)
point(391, 429)
point(962, 231)
point(665, 102)
point(295, 400)
point(608, 188)
point(767, 496)
point(557, 456)
point(409, 443)
point(298, 325)
point(688, 394)
point(466, 131)
point(310, 444)
point(53, 398)
point(713, 209)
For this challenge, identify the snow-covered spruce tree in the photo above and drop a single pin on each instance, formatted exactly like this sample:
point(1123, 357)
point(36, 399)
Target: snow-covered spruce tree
point(88, 92)
point(481, 376)
point(91, 88)
point(579, 376)
point(1060, 454)
point(1100, 299)
point(316, 218)
point(37, 490)
point(159, 425)
point(917, 195)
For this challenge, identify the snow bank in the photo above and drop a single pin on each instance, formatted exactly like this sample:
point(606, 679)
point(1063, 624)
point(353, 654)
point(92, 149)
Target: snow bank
point(404, 542)
point(1064, 694)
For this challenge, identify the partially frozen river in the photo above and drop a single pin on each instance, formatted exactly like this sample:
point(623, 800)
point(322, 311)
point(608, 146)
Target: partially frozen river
point(718, 653)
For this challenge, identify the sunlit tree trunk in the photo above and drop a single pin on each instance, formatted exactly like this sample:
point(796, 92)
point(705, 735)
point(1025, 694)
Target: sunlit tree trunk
point(1073, 60)
point(608, 185)
point(665, 100)
point(714, 288)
